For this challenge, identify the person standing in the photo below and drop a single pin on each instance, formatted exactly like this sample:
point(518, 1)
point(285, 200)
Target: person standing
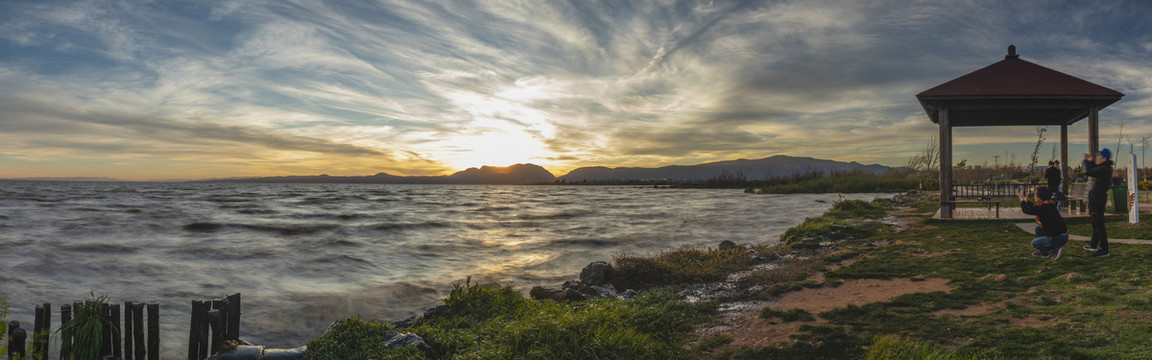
point(1053, 176)
point(1098, 168)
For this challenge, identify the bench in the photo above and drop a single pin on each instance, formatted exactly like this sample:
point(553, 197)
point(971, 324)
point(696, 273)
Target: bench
point(990, 203)
point(1076, 202)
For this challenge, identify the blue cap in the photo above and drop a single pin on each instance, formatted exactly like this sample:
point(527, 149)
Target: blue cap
point(1107, 153)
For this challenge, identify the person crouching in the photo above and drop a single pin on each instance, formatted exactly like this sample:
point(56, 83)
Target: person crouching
point(1052, 234)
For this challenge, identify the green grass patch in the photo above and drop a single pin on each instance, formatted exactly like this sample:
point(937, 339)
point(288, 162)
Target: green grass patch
point(844, 184)
point(680, 266)
point(500, 323)
point(1118, 227)
point(1077, 307)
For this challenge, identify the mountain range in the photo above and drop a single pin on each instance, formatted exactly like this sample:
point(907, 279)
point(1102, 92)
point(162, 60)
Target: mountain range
point(775, 166)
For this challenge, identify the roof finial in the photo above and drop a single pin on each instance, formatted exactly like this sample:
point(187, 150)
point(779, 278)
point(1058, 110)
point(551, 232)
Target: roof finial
point(1011, 52)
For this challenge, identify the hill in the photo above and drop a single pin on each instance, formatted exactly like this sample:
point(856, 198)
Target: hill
point(511, 175)
point(770, 167)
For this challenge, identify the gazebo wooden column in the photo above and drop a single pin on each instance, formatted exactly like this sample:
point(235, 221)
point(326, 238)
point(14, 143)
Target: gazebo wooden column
point(945, 165)
point(1064, 158)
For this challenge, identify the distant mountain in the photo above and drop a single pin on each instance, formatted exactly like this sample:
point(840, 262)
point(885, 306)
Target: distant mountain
point(775, 166)
point(511, 175)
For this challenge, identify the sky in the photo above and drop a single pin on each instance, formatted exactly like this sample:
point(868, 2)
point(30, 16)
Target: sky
point(200, 89)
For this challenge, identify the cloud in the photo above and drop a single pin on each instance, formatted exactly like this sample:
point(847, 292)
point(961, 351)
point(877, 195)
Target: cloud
point(424, 86)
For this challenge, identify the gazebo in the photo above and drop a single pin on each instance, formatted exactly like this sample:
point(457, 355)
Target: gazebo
point(1012, 92)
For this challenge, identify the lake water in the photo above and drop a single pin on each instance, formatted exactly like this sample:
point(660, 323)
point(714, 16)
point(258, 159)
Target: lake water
point(305, 255)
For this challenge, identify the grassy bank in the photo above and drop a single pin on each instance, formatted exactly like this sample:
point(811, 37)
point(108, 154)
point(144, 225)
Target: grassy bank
point(997, 301)
point(855, 183)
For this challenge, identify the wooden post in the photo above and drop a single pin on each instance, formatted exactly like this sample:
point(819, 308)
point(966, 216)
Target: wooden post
point(117, 331)
point(106, 336)
point(194, 332)
point(41, 330)
point(17, 338)
point(216, 321)
point(945, 165)
point(138, 325)
point(233, 331)
point(153, 331)
point(1064, 159)
point(1093, 130)
point(65, 334)
point(129, 330)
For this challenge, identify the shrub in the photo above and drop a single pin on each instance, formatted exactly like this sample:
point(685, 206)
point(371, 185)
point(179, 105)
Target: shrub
point(652, 325)
point(680, 266)
point(86, 329)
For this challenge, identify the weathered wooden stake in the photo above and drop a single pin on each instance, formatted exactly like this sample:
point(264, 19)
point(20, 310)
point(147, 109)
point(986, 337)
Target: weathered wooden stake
point(65, 334)
point(16, 340)
point(106, 337)
point(153, 331)
point(217, 324)
point(117, 331)
point(138, 324)
point(129, 330)
point(233, 331)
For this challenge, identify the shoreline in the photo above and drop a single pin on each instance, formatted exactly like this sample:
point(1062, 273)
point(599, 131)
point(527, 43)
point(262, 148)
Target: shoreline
point(914, 285)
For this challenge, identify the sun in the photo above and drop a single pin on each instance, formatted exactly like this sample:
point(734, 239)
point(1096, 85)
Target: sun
point(497, 148)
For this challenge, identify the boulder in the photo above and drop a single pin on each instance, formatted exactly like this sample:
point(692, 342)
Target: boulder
point(628, 294)
point(727, 244)
point(546, 293)
point(597, 273)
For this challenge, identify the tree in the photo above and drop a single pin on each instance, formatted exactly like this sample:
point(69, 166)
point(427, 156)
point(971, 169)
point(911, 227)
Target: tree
point(1036, 151)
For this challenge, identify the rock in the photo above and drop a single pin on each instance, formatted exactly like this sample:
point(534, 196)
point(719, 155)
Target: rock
point(596, 273)
point(546, 293)
point(603, 291)
point(574, 295)
point(406, 323)
point(994, 277)
point(244, 352)
point(727, 244)
point(285, 354)
point(258, 352)
point(628, 294)
point(433, 312)
point(397, 340)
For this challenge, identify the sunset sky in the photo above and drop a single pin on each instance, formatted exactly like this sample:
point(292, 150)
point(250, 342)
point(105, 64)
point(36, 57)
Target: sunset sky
point(199, 89)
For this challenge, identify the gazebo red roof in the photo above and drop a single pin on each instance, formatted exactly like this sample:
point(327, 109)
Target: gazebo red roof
point(1014, 92)
point(1013, 76)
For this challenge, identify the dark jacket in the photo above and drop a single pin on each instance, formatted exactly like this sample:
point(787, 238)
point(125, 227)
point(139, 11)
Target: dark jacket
point(1047, 215)
point(1102, 173)
point(1053, 176)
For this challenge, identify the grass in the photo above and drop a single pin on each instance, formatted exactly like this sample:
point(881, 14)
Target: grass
point(1118, 227)
point(3, 321)
point(856, 183)
point(85, 329)
point(500, 323)
point(679, 267)
point(1077, 307)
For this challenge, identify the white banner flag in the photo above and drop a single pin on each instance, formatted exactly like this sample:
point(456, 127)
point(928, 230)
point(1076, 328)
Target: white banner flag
point(1133, 187)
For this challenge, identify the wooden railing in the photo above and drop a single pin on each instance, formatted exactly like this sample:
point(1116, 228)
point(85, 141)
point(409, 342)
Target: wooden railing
point(996, 190)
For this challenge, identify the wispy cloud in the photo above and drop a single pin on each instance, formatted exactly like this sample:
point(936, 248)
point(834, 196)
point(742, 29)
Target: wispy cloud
point(276, 87)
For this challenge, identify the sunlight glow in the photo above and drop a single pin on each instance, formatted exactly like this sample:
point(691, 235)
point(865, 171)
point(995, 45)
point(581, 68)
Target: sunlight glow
point(498, 148)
